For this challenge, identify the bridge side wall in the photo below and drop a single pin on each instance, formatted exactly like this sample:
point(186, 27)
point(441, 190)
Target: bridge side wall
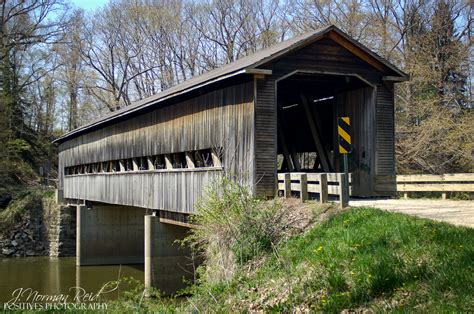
point(221, 118)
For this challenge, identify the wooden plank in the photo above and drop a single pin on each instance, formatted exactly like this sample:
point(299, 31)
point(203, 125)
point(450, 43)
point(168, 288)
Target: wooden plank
point(323, 184)
point(151, 164)
point(287, 185)
point(433, 187)
point(332, 177)
point(312, 188)
point(216, 161)
point(135, 164)
point(168, 163)
point(303, 187)
point(356, 51)
point(189, 160)
point(286, 154)
point(177, 223)
point(316, 137)
point(343, 190)
point(455, 177)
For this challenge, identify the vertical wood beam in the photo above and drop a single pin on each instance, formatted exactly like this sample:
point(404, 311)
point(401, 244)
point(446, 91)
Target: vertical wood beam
point(135, 165)
point(405, 195)
point(315, 133)
point(323, 183)
point(168, 163)
point(343, 190)
point(286, 154)
point(303, 187)
point(444, 195)
point(287, 182)
point(151, 164)
point(319, 123)
point(215, 159)
point(189, 160)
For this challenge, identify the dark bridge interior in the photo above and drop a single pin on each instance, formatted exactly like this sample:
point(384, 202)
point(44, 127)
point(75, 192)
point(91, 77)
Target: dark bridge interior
point(308, 106)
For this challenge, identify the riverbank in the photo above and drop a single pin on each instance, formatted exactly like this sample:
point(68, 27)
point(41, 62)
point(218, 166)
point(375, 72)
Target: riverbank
point(34, 225)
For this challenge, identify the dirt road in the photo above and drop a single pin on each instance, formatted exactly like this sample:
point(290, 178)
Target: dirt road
point(455, 212)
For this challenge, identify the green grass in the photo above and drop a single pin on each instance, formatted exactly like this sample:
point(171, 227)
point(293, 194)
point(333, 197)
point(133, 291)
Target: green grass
point(362, 258)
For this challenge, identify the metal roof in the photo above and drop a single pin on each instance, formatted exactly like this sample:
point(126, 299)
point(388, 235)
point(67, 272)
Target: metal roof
point(244, 65)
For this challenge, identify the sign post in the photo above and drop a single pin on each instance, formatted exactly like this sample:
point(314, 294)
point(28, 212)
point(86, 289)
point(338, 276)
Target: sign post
point(345, 147)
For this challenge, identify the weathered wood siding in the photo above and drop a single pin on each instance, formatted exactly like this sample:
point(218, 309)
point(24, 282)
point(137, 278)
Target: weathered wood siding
point(265, 138)
point(385, 154)
point(221, 118)
point(359, 105)
point(328, 56)
point(176, 190)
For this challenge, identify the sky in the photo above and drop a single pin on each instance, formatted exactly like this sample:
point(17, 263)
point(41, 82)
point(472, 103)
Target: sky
point(88, 5)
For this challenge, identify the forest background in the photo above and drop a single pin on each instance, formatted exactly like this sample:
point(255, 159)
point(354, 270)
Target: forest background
point(61, 67)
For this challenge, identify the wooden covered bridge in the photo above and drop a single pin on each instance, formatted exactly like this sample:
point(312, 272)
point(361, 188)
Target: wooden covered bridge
point(273, 111)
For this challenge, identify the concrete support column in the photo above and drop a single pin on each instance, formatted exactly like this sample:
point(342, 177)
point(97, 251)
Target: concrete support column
point(167, 264)
point(80, 220)
point(108, 234)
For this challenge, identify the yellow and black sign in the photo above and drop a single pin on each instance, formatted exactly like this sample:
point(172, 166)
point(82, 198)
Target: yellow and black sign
point(344, 132)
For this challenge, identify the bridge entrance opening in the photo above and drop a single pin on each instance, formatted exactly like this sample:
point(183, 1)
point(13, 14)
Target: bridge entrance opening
point(308, 106)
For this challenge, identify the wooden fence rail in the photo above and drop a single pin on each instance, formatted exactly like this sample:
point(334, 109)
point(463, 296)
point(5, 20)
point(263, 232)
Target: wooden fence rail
point(457, 182)
point(324, 184)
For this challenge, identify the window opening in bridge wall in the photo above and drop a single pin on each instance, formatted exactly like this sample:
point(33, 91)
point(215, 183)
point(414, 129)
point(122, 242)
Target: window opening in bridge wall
point(179, 161)
point(142, 163)
point(128, 164)
point(105, 166)
point(159, 162)
point(115, 165)
point(204, 158)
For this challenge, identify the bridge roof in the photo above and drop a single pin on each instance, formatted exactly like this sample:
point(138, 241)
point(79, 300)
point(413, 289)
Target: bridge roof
point(246, 65)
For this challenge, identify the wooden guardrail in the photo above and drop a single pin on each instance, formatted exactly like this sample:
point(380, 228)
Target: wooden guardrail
point(446, 183)
point(322, 183)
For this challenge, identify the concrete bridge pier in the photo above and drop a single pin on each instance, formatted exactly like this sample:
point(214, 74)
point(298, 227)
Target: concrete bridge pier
point(167, 264)
point(109, 234)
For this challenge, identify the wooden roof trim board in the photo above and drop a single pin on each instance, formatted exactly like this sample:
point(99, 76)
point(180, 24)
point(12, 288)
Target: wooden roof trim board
point(249, 65)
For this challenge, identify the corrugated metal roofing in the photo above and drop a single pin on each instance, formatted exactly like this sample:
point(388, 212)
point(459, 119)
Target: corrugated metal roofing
point(237, 67)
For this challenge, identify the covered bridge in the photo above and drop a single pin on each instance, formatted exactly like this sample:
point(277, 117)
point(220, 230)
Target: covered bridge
point(275, 110)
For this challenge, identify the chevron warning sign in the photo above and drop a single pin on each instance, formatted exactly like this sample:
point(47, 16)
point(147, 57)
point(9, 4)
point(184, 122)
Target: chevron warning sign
point(344, 132)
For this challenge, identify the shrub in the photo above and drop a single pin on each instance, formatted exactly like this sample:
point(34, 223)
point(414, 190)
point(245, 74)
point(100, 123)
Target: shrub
point(234, 228)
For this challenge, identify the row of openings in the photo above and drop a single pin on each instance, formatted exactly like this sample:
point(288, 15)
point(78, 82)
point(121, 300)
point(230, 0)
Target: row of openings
point(184, 160)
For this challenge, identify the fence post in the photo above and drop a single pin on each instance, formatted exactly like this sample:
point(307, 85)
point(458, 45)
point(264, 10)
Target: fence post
point(444, 195)
point(323, 184)
point(303, 187)
point(405, 195)
point(343, 190)
point(287, 183)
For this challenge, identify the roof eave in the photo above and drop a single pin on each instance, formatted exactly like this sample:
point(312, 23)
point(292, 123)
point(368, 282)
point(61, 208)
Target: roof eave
point(153, 102)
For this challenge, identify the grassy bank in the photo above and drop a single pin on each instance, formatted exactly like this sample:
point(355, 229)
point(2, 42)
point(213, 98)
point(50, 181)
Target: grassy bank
point(281, 256)
point(362, 258)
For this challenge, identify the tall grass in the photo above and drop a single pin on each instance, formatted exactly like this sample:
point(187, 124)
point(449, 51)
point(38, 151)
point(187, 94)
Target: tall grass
point(234, 228)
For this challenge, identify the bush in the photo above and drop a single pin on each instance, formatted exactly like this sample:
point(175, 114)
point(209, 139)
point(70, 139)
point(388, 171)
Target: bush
point(234, 228)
